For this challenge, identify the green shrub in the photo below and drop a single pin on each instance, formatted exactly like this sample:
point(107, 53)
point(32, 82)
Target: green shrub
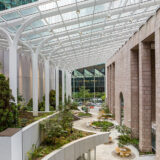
point(123, 130)
point(52, 99)
point(8, 109)
point(126, 140)
point(104, 125)
point(82, 114)
point(30, 105)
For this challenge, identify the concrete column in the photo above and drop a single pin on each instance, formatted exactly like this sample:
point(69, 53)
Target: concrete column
point(63, 89)
point(46, 66)
point(109, 88)
point(145, 97)
point(57, 88)
point(89, 155)
point(67, 88)
point(157, 67)
point(35, 83)
point(95, 153)
point(13, 70)
point(134, 93)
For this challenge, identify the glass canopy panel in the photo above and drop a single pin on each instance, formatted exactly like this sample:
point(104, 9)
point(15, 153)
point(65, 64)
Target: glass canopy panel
point(86, 11)
point(38, 24)
point(1, 20)
point(69, 16)
point(47, 6)
point(65, 2)
point(101, 8)
point(11, 29)
point(29, 11)
point(78, 74)
point(59, 30)
point(54, 19)
point(72, 27)
point(11, 16)
point(85, 23)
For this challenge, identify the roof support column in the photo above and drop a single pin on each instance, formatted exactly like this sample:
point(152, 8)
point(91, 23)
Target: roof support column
point(35, 83)
point(46, 65)
point(63, 89)
point(13, 70)
point(57, 88)
point(67, 94)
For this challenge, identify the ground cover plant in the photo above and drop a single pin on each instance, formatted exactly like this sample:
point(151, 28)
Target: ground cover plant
point(82, 114)
point(104, 125)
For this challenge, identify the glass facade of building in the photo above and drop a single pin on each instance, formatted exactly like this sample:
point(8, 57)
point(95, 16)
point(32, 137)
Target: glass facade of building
point(6, 4)
point(92, 78)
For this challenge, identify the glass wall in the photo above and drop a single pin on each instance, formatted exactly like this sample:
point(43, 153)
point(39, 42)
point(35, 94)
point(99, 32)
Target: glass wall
point(91, 79)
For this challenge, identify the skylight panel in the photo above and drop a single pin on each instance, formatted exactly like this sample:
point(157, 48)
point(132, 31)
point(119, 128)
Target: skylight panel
point(65, 2)
point(59, 30)
point(11, 16)
point(47, 6)
point(38, 24)
point(69, 15)
point(101, 8)
point(85, 23)
point(86, 11)
point(72, 27)
point(1, 20)
point(54, 19)
point(98, 20)
point(11, 29)
point(125, 14)
point(29, 11)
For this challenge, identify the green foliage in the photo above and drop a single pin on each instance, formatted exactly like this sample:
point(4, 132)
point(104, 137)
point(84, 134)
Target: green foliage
point(52, 99)
point(123, 130)
point(104, 125)
point(8, 109)
point(85, 109)
point(82, 114)
point(57, 127)
point(30, 105)
point(126, 140)
point(41, 105)
point(105, 108)
point(73, 106)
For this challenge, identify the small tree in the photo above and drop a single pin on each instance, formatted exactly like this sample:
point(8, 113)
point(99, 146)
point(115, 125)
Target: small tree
point(8, 109)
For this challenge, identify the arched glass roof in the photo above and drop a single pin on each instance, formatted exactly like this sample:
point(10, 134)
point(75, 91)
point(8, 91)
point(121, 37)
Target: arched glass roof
point(78, 33)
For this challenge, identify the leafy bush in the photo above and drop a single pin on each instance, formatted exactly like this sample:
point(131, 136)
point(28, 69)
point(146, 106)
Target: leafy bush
point(30, 105)
point(57, 126)
point(8, 109)
point(73, 105)
point(52, 99)
point(123, 130)
point(126, 140)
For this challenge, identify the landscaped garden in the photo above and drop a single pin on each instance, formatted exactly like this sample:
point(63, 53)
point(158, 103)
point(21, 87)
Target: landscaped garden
point(56, 132)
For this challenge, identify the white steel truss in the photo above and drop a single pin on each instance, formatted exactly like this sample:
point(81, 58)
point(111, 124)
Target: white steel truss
point(74, 33)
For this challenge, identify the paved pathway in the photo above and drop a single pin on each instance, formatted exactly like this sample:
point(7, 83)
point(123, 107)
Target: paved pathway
point(105, 151)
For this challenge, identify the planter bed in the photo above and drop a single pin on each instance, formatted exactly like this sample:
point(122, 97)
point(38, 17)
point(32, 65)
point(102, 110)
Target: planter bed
point(45, 149)
point(102, 124)
point(27, 118)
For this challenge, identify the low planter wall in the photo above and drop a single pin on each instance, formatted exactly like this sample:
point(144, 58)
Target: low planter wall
point(31, 135)
point(76, 148)
point(15, 143)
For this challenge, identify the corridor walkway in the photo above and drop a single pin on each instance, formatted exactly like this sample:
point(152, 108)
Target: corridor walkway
point(105, 151)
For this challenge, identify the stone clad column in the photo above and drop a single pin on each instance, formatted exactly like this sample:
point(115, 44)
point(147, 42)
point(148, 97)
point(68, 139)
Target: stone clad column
point(134, 93)
point(113, 88)
point(145, 97)
point(108, 86)
point(157, 67)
